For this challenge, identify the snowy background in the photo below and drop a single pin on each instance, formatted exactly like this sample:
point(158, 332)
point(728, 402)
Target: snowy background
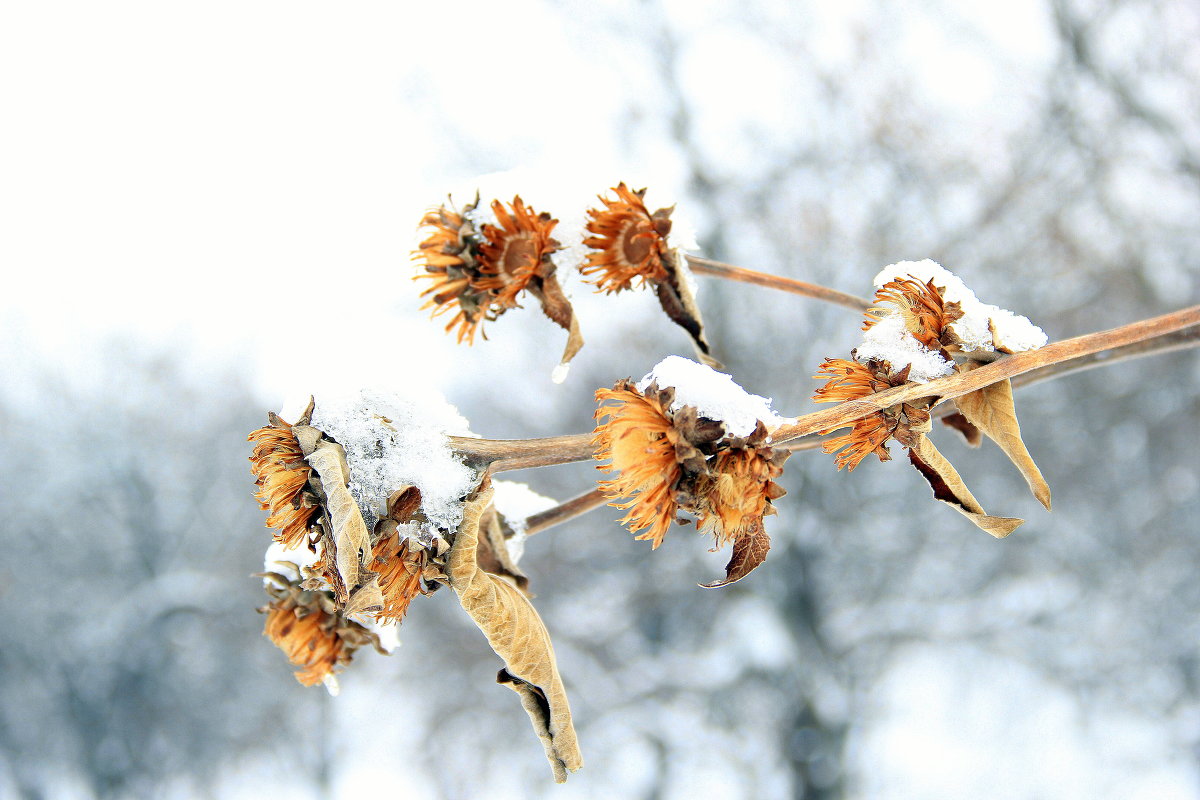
point(206, 209)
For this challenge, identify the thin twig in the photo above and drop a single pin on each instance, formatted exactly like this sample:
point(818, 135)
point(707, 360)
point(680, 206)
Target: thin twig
point(717, 269)
point(564, 511)
point(503, 455)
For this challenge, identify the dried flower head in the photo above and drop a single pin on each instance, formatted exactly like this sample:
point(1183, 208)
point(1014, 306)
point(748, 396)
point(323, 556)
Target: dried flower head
point(449, 256)
point(921, 306)
point(639, 440)
point(282, 474)
point(400, 564)
point(850, 380)
point(515, 253)
point(629, 242)
point(741, 489)
point(309, 629)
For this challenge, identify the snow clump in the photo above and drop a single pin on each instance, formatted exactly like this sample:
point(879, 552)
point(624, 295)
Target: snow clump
point(713, 394)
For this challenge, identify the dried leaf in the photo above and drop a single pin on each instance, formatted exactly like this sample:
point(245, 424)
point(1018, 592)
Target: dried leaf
point(991, 410)
point(676, 298)
point(748, 552)
point(350, 537)
point(557, 307)
point(493, 554)
point(971, 435)
point(517, 634)
point(949, 488)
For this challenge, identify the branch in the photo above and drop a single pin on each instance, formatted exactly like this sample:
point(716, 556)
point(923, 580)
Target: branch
point(503, 455)
point(962, 383)
point(564, 511)
point(717, 269)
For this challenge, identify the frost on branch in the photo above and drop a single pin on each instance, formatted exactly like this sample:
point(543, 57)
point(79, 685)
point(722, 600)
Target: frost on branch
point(926, 324)
point(700, 445)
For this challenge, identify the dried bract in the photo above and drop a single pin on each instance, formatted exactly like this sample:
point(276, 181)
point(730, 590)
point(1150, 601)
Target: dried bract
point(850, 380)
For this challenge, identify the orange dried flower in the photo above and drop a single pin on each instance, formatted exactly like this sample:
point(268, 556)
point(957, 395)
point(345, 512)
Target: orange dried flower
point(399, 565)
point(630, 242)
point(639, 440)
point(740, 493)
point(925, 313)
point(310, 631)
point(281, 474)
point(449, 258)
point(850, 380)
point(515, 252)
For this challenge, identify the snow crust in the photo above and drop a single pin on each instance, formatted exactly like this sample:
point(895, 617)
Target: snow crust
point(397, 438)
point(516, 501)
point(983, 326)
point(888, 340)
point(713, 394)
point(300, 556)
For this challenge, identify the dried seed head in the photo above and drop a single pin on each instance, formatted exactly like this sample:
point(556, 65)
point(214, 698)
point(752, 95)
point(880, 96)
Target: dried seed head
point(310, 631)
point(281, 474)
point(449, 257)
point(629, 242)
point(741, 490)
point(850, 380)
point(515, 252)
point(641, 443)
point(400, 564)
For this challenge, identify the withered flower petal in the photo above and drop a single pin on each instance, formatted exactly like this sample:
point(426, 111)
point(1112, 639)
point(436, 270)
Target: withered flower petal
point(741, 492)
point(629, 242)
point(281, 474)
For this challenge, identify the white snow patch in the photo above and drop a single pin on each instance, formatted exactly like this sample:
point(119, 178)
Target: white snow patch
point(1013, 333)
point(516, 502)
point(888, 340)
point(713, 394)
point(300, 556)
point(393, 439)
point(388, 633)
point(559, 374)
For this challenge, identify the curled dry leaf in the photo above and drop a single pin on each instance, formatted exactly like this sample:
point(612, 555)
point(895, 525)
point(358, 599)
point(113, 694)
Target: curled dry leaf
point(749, 551)
point(992, 411)
point(517, 634)
point(948, 487)
point(351, 541)
point(970, 433)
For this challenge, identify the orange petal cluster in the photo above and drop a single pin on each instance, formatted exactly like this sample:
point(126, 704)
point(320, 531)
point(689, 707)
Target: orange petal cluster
point(639, 441)
point(307, 638)
point(281, 474)
point(479, 274)
point(629, 242)
point(850, 380)
point(741, 493)
point(399, 565)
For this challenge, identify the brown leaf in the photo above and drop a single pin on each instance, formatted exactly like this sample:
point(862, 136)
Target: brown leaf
point(676, 298)
point(969, 432)
point(949, 488)
point(517, 634)
point(991, 410)
point(748, 552)
point(351, 540)
point(556, 306)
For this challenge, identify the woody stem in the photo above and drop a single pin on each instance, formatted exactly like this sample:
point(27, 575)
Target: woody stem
point(717, 269)
point(564, 511)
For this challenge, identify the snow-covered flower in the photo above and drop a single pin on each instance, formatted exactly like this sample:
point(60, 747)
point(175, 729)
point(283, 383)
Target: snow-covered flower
point(282, 474)
point(628, 242)
point(670, 455)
